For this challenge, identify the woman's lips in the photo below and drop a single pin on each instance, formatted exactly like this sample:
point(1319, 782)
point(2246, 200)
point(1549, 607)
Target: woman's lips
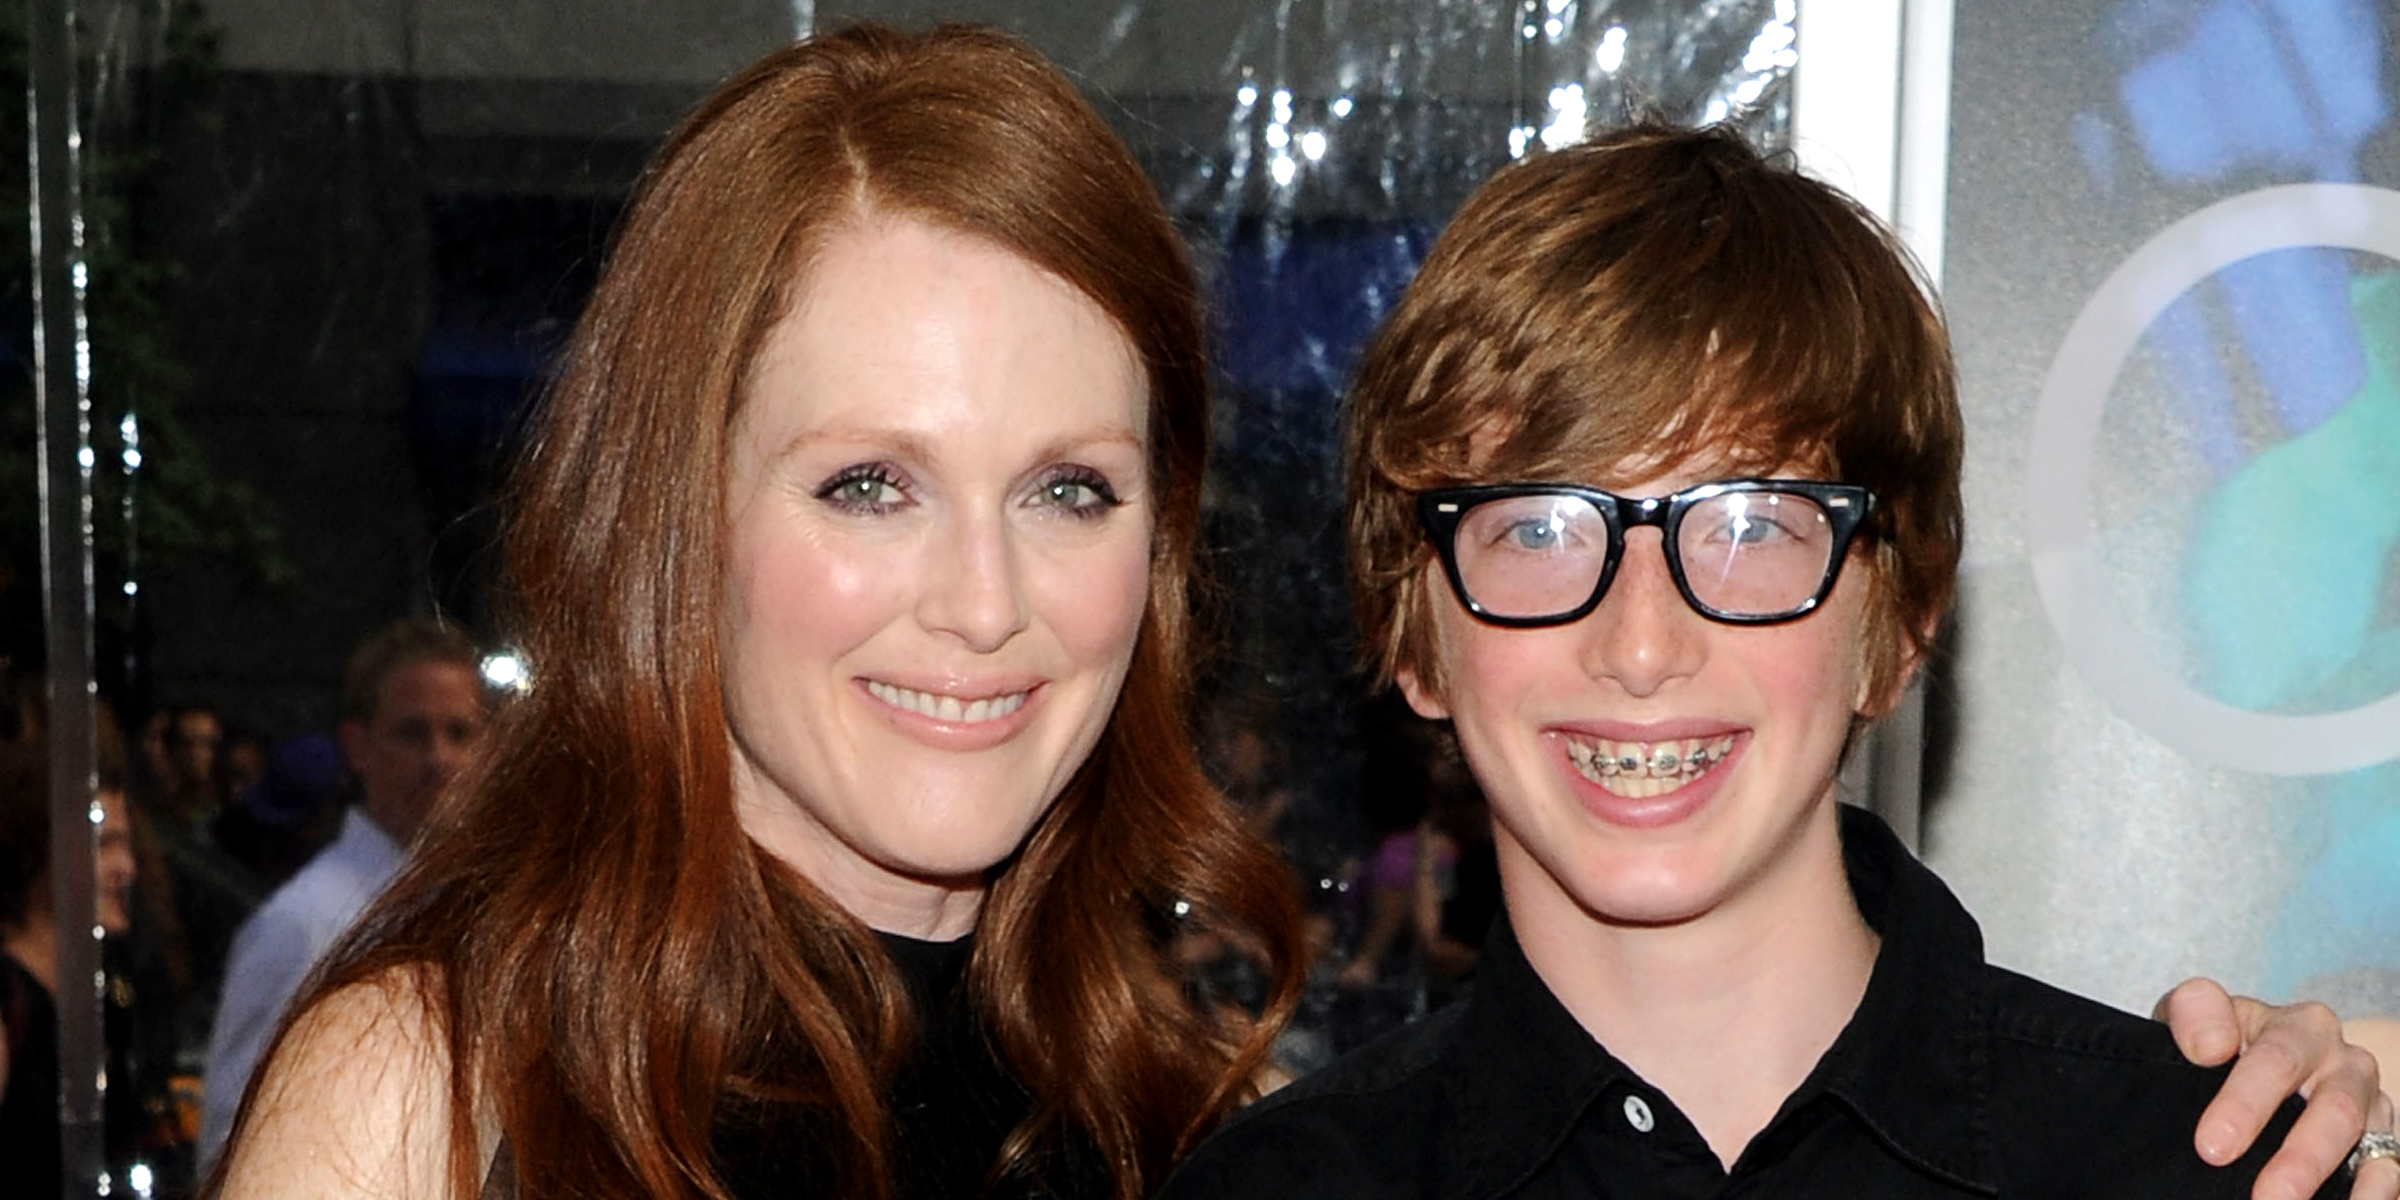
point(963, 720)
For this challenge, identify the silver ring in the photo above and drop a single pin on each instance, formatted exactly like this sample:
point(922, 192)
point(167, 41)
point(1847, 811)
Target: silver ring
point(2376, 1144)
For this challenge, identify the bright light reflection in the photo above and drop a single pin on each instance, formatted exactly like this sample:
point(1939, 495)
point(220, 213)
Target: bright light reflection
point(1282, 104)
point(1771, 44)
point(1283, 168)
point(131, 587)
point(1567, 129)
point(1246, 95)
point(506, 671)
point(1341, 106)
point(1554, 29)
point(1278, 137)
point(139, 1176)
point(1558, 6)
point(1312, 145)
point(1611, 54)
point(1517, 138)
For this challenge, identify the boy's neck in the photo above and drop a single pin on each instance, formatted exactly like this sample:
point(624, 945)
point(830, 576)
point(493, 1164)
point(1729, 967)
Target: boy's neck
point(1727, 1013)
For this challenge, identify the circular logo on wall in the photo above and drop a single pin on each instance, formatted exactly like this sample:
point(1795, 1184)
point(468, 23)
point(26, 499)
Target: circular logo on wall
point(2058, 477)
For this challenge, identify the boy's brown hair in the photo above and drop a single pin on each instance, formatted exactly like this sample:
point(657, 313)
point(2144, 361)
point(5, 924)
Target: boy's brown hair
point(1656, 298)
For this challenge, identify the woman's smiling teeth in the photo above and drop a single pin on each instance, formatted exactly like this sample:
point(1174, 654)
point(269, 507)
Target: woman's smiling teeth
point(947, 708)
point(1639, 770)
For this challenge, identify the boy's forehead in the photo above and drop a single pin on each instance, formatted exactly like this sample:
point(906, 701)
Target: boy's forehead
point(1683, 452)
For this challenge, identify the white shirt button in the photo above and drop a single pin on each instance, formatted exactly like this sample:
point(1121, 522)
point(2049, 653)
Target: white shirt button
point(1637, 1114)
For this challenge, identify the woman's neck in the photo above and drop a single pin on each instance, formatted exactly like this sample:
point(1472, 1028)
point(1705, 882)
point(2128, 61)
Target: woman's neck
point(1727, 1012)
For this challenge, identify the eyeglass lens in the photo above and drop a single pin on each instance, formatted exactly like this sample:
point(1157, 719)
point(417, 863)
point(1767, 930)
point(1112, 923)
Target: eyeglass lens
point(1744, 554)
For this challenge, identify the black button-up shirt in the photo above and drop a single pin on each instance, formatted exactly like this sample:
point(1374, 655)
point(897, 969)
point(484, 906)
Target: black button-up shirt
point(1953, 1078)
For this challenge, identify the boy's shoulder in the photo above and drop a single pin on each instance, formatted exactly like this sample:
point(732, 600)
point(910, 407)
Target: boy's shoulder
point(2092, 1093)
point(1366, 1125)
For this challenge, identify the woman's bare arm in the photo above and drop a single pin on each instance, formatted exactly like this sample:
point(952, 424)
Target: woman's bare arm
point(354, 1105)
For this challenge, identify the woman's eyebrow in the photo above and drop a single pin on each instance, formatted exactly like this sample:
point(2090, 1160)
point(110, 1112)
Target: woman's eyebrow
point(912, 445)
point(1110, 434)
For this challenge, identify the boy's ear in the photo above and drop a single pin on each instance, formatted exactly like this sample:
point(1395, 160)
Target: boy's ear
point(1873, 704)
point(1421, 698)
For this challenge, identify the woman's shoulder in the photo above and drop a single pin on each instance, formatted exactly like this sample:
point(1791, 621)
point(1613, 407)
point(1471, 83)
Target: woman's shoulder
point(355, 1101)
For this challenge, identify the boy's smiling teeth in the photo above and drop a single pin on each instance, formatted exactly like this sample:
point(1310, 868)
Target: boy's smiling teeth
point(947, 708)
point(1638, 770)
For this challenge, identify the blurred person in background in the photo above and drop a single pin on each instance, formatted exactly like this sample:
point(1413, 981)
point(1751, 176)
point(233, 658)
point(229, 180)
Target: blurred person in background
point(141, 1128)
point(414, 708)
point(292, 810)
point(200, 890)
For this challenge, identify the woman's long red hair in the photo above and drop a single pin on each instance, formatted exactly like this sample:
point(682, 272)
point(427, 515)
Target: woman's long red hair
point(611, 957)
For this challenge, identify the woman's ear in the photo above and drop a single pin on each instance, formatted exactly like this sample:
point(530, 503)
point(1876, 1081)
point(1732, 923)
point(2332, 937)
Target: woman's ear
point(1422, 698)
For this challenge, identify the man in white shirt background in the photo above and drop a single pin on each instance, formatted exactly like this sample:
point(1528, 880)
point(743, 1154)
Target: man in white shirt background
point(413, 708)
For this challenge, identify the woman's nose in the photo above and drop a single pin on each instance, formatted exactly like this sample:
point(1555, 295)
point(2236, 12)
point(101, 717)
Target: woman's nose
point(974, 592)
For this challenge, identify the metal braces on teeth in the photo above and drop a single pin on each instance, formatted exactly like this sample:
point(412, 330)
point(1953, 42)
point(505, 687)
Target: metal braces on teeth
point(1664, 762)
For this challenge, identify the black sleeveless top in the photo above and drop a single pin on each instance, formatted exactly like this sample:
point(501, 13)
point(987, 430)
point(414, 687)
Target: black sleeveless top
point(952, 1104)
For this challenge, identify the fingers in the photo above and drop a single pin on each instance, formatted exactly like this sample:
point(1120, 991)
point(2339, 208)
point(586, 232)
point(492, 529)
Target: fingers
point(2206, 1023)
point(2275, 1065)
point(2321, 1140)
point(2378, 1178)
point(2294, 1049)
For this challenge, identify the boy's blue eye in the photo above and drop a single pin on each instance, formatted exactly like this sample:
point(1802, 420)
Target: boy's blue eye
point(1539, 534)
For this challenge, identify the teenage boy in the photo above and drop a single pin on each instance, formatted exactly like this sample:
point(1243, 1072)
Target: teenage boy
point(1654, 496)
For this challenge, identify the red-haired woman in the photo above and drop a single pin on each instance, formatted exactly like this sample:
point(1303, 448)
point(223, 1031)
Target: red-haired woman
point(835, 849)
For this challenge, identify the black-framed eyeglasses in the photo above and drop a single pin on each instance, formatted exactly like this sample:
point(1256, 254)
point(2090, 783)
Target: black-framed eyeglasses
point(1742, 551)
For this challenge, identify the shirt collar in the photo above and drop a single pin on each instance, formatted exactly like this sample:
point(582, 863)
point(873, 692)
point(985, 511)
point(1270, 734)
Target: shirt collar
point(1526, 1070)
point(1912, 1065)
point(1914, 1062)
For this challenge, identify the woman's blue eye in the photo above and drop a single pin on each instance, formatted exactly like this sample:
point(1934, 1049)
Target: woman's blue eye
point(863, 490)
point(1082, 493)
